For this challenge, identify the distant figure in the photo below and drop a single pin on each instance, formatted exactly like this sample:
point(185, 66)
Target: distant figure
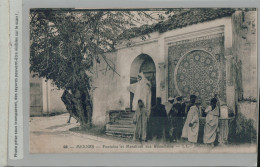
point(211, 125)
point(191, 126)
point(189, 104)
point(172, 117)
point(169, 104)
point(142, 91)
point(179, 120)
point(168, 108)
point(140, 120)
point(158, 120)
point(183, 106)
point(178, 106)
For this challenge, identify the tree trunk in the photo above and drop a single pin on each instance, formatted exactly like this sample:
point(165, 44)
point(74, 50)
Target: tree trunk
point(79, 105)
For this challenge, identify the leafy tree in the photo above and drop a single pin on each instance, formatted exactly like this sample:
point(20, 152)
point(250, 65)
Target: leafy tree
point(65, 45)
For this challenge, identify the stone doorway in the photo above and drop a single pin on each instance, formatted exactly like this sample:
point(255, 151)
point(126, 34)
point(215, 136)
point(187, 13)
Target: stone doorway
point(144, 63)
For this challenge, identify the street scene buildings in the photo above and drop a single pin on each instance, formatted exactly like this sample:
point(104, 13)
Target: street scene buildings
point(197, 58)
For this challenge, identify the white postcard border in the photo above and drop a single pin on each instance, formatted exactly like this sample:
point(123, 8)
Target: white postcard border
point(115, 159)
point(16, 85)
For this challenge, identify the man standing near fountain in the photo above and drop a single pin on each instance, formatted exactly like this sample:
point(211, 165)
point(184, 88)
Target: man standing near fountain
point(140, 120)
point(191, 126)
point(142, 91)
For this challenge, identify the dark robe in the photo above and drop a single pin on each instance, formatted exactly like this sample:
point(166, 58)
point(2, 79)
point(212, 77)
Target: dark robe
point(172, 122)
point(178, 109)
point(183, 107)
point(157, 121)
point(179, 120)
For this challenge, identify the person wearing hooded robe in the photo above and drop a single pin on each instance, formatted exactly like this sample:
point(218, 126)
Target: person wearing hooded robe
point(142, 91)
point(158, 120)
point(168, 105)
point(191, 126)
point(211, 125)
point(140, 120)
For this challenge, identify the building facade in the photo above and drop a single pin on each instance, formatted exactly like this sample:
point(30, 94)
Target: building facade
point(216, 54)
point(45, 98)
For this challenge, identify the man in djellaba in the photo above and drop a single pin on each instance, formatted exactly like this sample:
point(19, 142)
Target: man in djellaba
point(191, 126)
point(140, 120)
point(142, 91)
point(211, 125)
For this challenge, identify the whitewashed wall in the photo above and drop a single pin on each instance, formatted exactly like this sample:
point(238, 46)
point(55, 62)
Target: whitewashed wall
point(50, 98)
point(111, 92)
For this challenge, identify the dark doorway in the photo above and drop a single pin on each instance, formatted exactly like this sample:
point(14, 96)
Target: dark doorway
point(144, 63)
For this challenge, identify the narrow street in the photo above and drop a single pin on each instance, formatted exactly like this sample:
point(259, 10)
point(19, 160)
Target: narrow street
point(53, 135)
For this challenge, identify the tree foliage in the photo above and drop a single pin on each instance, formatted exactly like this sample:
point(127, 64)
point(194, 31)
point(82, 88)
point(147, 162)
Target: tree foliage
point(65, 44)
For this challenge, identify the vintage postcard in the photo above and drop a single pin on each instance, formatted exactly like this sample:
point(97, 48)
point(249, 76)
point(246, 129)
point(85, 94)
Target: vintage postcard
point(179, 80)
point(133, 80)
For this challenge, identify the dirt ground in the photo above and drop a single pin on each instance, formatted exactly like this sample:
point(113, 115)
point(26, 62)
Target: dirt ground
point(54, 135)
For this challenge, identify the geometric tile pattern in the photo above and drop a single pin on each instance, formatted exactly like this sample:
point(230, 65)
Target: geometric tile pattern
point(197, 67)
point(197, 73)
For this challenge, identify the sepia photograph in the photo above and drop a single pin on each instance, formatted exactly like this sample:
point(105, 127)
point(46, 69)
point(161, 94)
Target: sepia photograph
point(143, 80)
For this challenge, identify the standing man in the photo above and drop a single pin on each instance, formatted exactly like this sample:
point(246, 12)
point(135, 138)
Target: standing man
point(169, 104)
point(178, 107)
point(191, 126)
point(158, 120)
point(168, 107)
point(172, 117)
point(179, 118)
point(183, 106)
point(140, 120)
point(142, 91)
point(211, 125)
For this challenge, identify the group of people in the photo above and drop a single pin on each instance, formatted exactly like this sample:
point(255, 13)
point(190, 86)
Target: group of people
point(191, 127)
point(176, 120)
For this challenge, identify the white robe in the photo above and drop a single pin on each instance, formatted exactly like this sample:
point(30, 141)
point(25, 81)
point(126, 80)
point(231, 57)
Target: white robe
point(141, 91)
point(191, 132)
point(211, 125)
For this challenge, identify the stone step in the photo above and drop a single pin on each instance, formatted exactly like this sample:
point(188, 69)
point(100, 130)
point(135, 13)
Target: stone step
point(120, 128)
point(119, 134)
point(126, 116)
point(128, 109)
point(121, 125)
point(127, 113)
point(124, 119)
point(123, 122)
